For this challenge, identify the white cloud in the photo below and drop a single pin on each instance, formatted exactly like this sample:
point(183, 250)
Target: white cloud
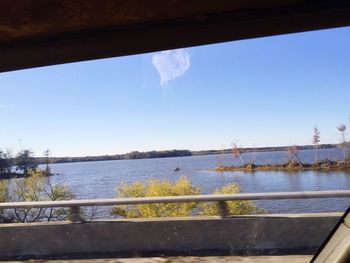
point(171, 64)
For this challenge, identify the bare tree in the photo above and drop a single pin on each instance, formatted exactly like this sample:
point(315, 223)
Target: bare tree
point(315, 141)
point(293, 152)
point(47, 161)
point(221, 156)
point(342, 129)
point(237, 153)
point(253, 156)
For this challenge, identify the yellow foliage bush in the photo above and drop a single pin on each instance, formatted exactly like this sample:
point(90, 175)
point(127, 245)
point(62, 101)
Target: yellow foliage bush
point(3, 198)
point(3, 192)
point(182, 186)
point(152, 188)
point(234, 207)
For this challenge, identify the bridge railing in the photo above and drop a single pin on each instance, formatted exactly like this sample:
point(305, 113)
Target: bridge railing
point(221, 199)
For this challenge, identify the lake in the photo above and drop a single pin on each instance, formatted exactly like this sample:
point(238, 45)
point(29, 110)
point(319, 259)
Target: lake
point(100, 179)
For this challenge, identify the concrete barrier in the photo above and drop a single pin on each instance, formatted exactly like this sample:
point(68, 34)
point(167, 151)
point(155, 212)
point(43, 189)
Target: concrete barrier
point(250, 235)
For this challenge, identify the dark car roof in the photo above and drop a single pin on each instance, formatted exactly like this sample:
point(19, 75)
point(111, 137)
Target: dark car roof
point(39, 32)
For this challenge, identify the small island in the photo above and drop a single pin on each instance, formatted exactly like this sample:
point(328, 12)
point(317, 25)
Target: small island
point(294, 162)
point(324, 165)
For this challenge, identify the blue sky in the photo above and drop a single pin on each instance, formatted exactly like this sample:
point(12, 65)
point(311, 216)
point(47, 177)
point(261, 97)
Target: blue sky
point(260, 92)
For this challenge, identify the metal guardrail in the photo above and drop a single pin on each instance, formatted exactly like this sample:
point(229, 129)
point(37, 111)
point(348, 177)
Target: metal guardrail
point(220, 198)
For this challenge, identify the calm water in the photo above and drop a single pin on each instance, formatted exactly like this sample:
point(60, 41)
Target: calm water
point(99, 179)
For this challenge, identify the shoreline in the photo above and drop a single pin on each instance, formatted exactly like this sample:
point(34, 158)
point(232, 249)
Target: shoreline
point(290, 166)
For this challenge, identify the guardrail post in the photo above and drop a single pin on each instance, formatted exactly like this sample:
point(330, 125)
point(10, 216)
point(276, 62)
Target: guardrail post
point(223, 208)
point(75, 214)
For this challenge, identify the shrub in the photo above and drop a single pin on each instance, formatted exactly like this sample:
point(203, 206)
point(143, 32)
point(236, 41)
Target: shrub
point(152, 188)
point(38, 187)
point(234, 207)
point(182, 186)
point(4, 197)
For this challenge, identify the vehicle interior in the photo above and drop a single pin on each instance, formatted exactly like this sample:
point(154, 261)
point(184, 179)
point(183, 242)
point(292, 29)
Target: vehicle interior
point(38, 33)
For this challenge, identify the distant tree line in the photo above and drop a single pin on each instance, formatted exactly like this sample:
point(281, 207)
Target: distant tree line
point(127, 156)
